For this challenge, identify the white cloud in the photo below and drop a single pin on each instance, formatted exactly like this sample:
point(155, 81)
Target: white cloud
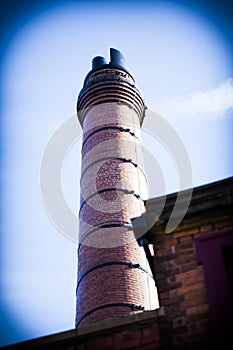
point(210, 103)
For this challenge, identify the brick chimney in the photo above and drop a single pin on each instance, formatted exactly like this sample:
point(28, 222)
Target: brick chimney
point(113, 273)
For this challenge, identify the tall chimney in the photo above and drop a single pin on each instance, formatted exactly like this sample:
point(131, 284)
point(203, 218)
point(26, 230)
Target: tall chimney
point(113, 273)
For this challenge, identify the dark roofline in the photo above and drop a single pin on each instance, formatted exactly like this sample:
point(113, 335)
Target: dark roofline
point(215, 195)
point(78, 336)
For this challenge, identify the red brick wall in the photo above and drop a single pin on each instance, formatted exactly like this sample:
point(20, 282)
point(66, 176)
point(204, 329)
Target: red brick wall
point(113, 186)
point(181, 283)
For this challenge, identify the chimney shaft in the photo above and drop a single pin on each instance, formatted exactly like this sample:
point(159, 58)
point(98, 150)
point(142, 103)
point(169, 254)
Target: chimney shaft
point(112, 277)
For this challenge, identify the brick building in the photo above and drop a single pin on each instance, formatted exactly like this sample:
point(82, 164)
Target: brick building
point(192, 265)
point(194, 270)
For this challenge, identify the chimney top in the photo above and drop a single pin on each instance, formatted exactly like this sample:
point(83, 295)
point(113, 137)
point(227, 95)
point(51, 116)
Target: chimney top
point(117, 60)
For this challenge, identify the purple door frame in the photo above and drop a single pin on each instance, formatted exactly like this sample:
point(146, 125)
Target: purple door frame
point(210, 253)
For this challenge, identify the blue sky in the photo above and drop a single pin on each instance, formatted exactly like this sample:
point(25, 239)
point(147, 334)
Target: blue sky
point(180, 55)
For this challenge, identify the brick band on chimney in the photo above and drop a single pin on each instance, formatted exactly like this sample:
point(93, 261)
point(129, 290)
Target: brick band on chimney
point(113, 276)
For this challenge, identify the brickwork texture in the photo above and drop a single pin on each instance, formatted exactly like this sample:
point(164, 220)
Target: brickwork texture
point(181, 279)
point(112, 269)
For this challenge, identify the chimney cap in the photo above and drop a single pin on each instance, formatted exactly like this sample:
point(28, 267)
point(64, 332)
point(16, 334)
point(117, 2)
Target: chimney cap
point(98, 62)
point(117, 60)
